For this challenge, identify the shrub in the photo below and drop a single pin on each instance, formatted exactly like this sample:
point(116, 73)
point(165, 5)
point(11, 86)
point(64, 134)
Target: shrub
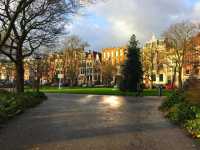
point(181, 112)
point(13, 104)
point(193, 127)
point(196, 110)
point(175, 98)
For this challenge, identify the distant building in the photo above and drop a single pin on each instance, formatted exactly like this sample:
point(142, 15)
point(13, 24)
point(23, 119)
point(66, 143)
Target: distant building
point(7, 70)
point(163, 66)
point(55, 63)
point(90, 69)
point(155, 61)
point(116, 56)
point(192, 60)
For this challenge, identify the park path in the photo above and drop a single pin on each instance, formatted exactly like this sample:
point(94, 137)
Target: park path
point(88, 122)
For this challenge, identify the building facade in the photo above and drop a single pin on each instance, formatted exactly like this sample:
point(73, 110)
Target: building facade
point(156, 63)
point(115, 56)
point(90, 69)
point(159, 66)
point(7, 70)
point(191, 65)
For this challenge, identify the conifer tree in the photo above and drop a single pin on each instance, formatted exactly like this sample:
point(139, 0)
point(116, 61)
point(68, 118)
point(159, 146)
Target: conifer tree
point(132, 74)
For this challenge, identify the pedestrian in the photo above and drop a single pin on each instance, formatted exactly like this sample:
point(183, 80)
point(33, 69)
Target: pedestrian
point(139, 90)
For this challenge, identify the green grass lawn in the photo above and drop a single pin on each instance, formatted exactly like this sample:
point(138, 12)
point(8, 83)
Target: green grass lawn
point(100, 91)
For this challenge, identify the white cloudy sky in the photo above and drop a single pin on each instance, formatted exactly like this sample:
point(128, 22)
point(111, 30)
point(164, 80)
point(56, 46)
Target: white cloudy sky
point(111, 23)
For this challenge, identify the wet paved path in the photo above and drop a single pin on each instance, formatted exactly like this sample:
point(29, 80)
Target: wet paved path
point(86, 122)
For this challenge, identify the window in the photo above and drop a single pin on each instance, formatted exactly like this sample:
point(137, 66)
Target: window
point(104, 55)
point(197, 71)
point(108, 54)
point(154, 77)
point(113, 61)
point(161, 77)
point(187, 71)
point(121, 52)
point(112, 54)
point(161, 66)
point(117, 53)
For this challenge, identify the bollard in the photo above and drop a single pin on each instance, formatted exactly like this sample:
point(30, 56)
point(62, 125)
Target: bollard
point(160, 90)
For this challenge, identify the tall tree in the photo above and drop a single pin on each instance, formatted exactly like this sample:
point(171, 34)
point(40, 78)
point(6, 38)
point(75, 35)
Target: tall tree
point(36, 23)
point(108, 71)
point(148, 59)
point(73, 53)
point(178, 37)
point(132, 74)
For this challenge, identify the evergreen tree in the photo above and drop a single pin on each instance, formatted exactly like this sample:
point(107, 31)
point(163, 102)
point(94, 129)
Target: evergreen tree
point(132, 74)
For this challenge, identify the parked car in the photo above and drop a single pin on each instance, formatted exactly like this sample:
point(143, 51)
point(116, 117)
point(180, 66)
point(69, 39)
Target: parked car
point(27, 82)
point(64, 84)
point(170, 86)
point(54, 84)
point(84, 85)
point(99, 86)
point(6, 84)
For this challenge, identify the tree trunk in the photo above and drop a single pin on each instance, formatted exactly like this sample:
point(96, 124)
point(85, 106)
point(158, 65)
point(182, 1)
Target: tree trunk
point(19, 76)
point(71, 82)
point(38, 77)
point(180, 77)
point(152, 74)
point(151, 81)
point(174, 75)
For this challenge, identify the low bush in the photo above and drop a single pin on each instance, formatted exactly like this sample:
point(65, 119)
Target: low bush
point(182, 112)
point(193, 127)
point(12, 104)
point(175, 98)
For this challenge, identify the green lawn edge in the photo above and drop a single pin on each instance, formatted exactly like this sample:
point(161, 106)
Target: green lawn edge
point(101, 91)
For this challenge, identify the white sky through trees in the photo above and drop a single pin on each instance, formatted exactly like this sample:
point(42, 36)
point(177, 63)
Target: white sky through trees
point(111, 22)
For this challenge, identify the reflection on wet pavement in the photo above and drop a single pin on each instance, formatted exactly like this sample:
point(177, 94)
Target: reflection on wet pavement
point(112, 101)
point(90, 122)
point(86, 99)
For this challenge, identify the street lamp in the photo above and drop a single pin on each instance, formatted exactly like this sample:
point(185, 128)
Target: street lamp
point(38, 58)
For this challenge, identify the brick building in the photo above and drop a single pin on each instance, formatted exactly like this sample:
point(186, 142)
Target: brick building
point(116, 56)
point(90, 69)
point(192, 60)
point(156, 63)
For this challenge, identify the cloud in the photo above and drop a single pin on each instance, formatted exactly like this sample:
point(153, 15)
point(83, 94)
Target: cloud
point(111, 23)
point(196, 12)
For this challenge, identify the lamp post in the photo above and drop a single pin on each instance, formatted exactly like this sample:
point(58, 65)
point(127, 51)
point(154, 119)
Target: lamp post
point(38, 58)
point(60, 75)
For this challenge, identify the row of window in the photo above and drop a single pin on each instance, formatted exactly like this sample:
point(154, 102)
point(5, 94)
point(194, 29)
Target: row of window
point(188, 71)
point(156, 43)
point(161, 77)
point(94, 77)
point(86, 71)
point(86, 64)
point(113, 53)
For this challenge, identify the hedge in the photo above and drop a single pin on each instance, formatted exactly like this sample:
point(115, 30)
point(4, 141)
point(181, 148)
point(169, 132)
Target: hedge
point(13, 104)
point(182, 112)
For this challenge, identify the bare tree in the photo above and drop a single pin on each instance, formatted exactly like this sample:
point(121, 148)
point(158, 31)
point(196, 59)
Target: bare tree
point(108, 72)
point(72, 55)
point(148, 57)
point(25, 25)
point(28, 24)
point(178, 37)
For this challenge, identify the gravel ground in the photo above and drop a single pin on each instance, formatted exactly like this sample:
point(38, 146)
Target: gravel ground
point(87, 122)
